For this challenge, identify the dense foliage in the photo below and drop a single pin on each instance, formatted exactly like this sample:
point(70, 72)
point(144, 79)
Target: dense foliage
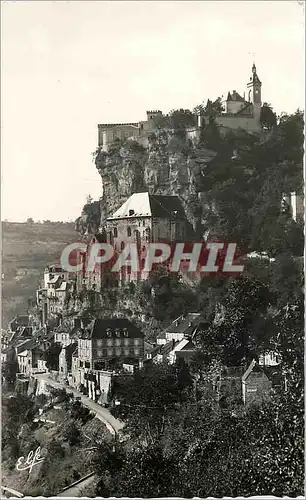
point(183, 439)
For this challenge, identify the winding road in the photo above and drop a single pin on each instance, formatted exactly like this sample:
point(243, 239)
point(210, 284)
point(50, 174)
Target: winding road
point(113, 424)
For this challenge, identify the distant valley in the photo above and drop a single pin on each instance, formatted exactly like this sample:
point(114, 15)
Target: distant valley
point(26, 249)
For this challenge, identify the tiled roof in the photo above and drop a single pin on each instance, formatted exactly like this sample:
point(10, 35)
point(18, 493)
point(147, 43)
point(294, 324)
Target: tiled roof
point(28, 344)
point(184, 345)
point(235, 97)
point(167, 348)
point(182, 324)
point(147, 205)
point(98, 328)
point(246, 109)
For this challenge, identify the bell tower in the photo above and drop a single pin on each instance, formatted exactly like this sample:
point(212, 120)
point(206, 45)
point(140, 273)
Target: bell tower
point(254, 92)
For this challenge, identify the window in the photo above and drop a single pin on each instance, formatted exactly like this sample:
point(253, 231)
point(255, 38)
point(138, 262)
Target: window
point(118, 342)
point(109, 352)
point(109, 342)
point(126, 352)
point(115, 232)
point(136, 351)
point(87, 364)
point(129, 231)
point(99, 353)
point(125, 332)
point(118, 352)
point(126, 341)
point(81, 364)
point(136, 341)
point(99, 343)
point(108, 332)
point(117, 332)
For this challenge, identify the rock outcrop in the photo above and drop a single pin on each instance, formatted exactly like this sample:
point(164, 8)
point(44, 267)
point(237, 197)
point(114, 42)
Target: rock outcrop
point(169, 165)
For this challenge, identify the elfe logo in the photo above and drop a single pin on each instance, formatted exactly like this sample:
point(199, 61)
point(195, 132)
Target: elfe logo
point(31, 460)
point(200, 258)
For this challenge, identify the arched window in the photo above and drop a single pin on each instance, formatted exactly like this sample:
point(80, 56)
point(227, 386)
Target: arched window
point(115, 232)
point(129, 232)
point(122, 245)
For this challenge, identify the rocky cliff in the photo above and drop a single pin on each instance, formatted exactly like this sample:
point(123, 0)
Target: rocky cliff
point(169, 164)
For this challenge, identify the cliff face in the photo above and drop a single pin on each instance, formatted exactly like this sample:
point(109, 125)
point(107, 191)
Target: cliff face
point(168, 165)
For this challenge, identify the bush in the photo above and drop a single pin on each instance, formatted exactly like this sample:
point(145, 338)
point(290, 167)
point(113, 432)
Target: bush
point(71, 433)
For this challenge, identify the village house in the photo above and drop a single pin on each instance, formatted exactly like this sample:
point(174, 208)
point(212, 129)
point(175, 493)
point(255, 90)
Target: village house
point(52, 272)
point(19, 327)
point(29, 360)
point(184, 326)
point(176, 340)
point(172, 351)
point(106, 341)
point(65, 359)
point(248, 385)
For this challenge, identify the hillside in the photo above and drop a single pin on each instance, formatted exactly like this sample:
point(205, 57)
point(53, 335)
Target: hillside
point(26, 249)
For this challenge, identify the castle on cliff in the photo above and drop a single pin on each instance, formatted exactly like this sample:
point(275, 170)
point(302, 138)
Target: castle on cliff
point(239, 113)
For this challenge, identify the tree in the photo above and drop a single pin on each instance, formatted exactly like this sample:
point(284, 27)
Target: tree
point(10, 366)
point(148, 399)
point(71, 433)
point(268, 118)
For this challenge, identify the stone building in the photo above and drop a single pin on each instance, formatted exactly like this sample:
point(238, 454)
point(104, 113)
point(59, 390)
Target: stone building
point(109, 342)
point(108, 132)
point(239, 112)
point(146, 218)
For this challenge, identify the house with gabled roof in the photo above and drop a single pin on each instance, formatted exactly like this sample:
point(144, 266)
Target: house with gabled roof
point(185, 326)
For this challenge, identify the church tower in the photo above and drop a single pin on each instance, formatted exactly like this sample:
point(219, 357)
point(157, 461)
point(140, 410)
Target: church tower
point(254, 92)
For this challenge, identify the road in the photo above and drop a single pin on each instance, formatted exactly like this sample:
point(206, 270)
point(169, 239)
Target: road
point(113, 424)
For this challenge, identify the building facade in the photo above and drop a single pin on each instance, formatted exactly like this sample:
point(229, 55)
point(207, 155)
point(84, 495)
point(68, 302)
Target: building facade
point(106, 342)
point(239, 112)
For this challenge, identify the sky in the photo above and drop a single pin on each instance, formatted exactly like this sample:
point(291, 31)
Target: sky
point(69, 65)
